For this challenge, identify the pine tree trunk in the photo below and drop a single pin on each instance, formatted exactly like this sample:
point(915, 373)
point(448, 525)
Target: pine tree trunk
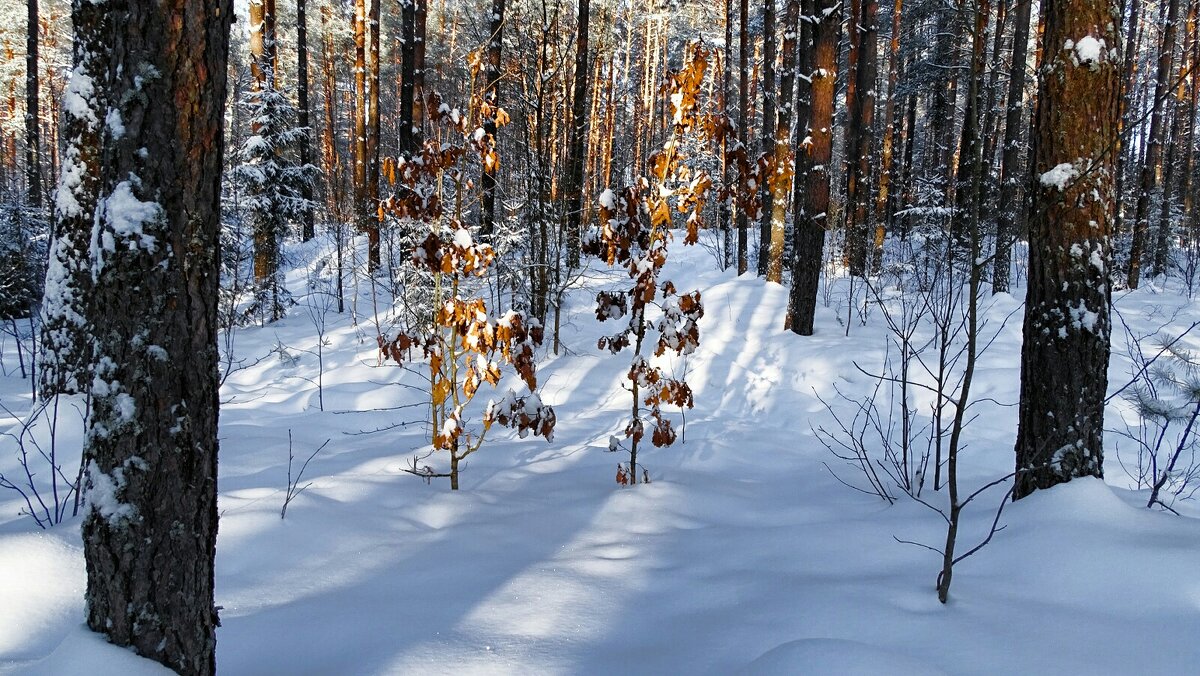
point(1064, 357)
point(743, 256)
point(724, 217)
point(1127, 149)
point(1152, 166)
point(150, 528)
point(970, 156)
point(418, 72)
point(371, 205)
point(491, 96)
point(408, 62)
point(882, 196)
point(579, 129)
point(1011, 177)
point(780, 182)
point(862, 124)
point(362, 218)
point(812, 180)
point(33, 157)
point(264, 223)
point(769, 144)
point(945, 97)
point(307, 226)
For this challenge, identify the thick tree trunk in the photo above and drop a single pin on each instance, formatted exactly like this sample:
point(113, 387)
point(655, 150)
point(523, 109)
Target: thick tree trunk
point(579, 129)
point(812, 182)
point(1011, 176)
point(1152, 166)
point(1064, 357)
point(150, 529)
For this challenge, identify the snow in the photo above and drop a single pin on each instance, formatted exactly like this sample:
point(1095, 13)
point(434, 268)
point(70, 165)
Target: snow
point(1060, 176)
point(1088, 50)
point(462, 238)
point(743, 556)
point(608, 200)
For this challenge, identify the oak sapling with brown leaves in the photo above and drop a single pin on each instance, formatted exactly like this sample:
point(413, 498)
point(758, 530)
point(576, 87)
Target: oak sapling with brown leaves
point(633, 233)
point(464, 344)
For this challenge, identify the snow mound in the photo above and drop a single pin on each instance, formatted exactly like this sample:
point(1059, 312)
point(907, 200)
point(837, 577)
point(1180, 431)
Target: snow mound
point(835, 657)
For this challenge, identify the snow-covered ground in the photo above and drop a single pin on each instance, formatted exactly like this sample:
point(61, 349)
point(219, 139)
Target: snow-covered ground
point(745, 553)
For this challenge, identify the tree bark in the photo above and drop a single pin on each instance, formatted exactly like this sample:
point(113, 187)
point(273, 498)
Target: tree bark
point(743, 257)
point(307, 225)
point(812, 181)
point(862, 125)
point(1064, 357)
point(769, 145)
point(408, 62)
point(780, 181)
point(149, 532)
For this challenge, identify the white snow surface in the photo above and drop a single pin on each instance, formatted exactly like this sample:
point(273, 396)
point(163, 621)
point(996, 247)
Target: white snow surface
point(743, 556)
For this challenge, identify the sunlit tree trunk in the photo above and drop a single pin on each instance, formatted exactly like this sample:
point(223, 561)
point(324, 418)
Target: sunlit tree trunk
point(812, 181)
point(1065, 351)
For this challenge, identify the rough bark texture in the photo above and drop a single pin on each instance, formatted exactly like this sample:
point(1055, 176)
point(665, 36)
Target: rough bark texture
point(1011, 178)
point(1064, 358)
point(150, 527)
point(812, 182)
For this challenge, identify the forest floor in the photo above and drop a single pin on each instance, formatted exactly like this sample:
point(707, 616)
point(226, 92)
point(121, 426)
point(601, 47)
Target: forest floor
point(744, 553)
